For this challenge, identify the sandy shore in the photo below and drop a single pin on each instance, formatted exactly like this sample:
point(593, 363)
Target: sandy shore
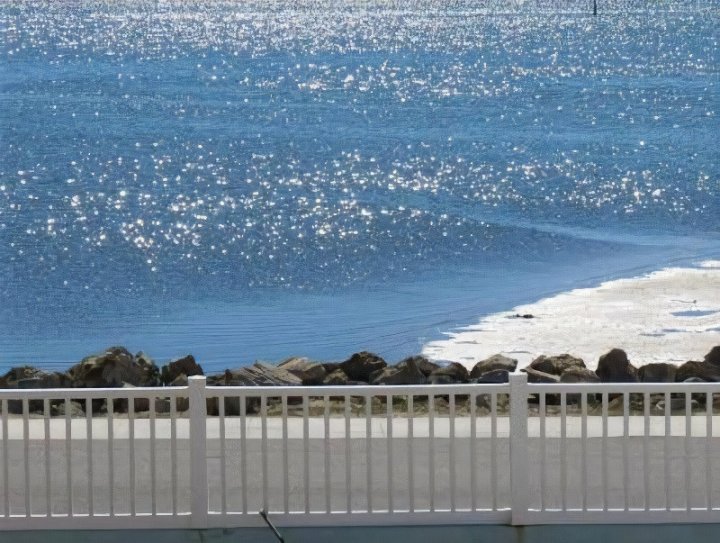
point(672, 315)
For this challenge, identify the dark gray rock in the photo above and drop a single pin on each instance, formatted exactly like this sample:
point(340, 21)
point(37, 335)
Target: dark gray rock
point(450, 374)
point(575, 375)
point(360, 366)
point(579, 375)
point(261, 374)
point(659, 372)
point(141, 405)
point(31, 377)
point(422, 363)
point(537, 376)
point(330, 367)
point(713, 357)
point(179, 381)
point(614, 367)
point(112, 368)
point(75, 409)
point(336, 378)
point(556, 365)
point(492, 377)
point(495, 362)
point(310, 373)
point(186, 366)
point(407, 374)
point(699, 370)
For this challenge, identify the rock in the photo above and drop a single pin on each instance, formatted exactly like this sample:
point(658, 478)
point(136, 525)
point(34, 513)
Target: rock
point(713, 357)
point(450, 374)
point(614, 367)
point(179, 381)
point(537, 376)
point(141, 404)
point(699, 370)
point(330, 367)
point(407, 374)
point(113, 368)
point(215, 380)
point(120, 405)
point(657, 373)
point(360, 366)
point(579, 375)
point(31, 377)
point(485, 401)
point(261, 374)
point(75, 409)
point(677, 405)
point(422, 363)
point(495, 362)
point(310, 373)
point(336, 378)
point(492, 377)
point(556, 365)
point(10, 379)
point(182, 366)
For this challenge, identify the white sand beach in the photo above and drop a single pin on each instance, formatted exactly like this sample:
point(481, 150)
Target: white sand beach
point(671, 315)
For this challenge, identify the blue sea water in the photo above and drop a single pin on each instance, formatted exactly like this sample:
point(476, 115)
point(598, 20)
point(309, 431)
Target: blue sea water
point(261, 179)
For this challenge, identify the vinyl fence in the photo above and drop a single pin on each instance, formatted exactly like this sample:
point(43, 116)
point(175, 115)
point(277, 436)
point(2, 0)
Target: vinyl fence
point(514, 453)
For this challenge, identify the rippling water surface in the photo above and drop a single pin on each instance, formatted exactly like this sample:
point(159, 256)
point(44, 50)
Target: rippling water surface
point(249, 180)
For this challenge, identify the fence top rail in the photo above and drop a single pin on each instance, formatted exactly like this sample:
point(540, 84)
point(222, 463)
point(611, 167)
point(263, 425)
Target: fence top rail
point(354, 390)
point(92, 393)
point(614, 388)
point(358, 390)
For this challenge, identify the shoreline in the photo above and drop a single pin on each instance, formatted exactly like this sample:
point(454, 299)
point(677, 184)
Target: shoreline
point(669, 315)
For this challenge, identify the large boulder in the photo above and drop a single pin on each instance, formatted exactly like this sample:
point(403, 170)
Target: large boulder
point(336, 378)
point(421, 362)
point(579, 375)
point(360, 366)
point(576, 375)
point(495, 362)
point(713, 357)
point(450, 374)
point(659, 372)
point(407, 374)
point(31, 377)
point(556, 365)
point(73, 409)
point(186, 366)
point(537, 376)
point(310, 373)
point(614, 367)
point(261, 374)
point(697, 370)
point(120, 405)
point(113, 368)
point(492, 377)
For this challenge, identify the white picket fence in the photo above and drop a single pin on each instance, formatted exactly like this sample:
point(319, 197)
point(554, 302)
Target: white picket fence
point(516, 453)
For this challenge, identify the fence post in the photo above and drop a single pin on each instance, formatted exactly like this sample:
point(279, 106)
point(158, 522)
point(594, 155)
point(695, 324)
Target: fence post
point(198, 453)
point(519, 483)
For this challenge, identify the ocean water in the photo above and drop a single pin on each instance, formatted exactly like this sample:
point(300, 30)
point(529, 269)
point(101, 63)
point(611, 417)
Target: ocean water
point(254, 180)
